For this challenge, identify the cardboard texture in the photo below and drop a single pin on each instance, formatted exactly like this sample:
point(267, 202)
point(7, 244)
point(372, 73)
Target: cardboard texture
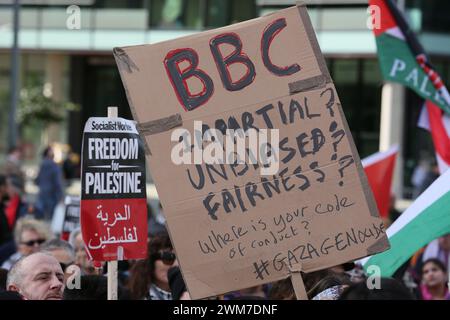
point(317, 209)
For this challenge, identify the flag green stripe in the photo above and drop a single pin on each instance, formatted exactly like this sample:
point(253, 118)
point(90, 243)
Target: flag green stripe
point(433, 222)
point(391, 48)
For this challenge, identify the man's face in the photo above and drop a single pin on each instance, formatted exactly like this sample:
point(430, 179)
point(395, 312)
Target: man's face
point(30, 242)
point(42, 279)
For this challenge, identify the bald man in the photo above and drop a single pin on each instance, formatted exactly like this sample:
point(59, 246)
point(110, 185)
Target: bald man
point(37, 277)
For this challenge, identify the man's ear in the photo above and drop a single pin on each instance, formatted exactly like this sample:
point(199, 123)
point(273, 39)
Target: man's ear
point(13, 287)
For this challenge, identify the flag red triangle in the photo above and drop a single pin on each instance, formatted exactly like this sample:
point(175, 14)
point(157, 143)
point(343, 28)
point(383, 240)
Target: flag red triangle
point(386, 18)
point(379, 169)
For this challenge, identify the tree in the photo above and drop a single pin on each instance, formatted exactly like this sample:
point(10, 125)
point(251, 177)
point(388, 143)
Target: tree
point(37, 109)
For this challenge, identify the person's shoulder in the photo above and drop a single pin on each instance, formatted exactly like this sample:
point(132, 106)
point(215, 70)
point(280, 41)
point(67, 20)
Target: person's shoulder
point(11, 260)
point(22, 210)
point(44, 165)
point(50, 166)
point(10, 295)
point(15, 256)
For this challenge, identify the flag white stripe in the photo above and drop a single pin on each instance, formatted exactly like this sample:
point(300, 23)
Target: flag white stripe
point(443, 166)
point(440, 187)
point(379, 156)
point(424, 121)
point(433, 193)
point(396, 32)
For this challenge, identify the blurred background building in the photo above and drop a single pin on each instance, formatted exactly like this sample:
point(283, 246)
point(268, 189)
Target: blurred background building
point(76, 65)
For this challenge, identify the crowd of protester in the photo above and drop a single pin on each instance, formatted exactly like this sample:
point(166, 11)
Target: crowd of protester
point(37, 264)
point(41, 269)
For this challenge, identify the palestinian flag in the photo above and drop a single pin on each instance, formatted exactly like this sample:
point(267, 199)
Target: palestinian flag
point(379, 169)
point(402, 58)
point(425, 220)
point(437, 122)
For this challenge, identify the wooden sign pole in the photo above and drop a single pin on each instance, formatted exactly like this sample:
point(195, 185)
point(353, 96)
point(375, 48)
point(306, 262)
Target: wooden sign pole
point(112, 265)
point(297, 282)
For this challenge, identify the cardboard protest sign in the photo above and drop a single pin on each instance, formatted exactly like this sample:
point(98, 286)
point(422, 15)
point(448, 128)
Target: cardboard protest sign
point(235, 225)
point(113, 197)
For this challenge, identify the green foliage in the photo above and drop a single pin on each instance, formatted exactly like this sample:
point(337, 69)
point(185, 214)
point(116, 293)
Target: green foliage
point(37, 109)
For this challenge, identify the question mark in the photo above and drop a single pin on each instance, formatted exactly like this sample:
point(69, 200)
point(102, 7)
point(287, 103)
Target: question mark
point(306, 226)
point(344, 162)
point(339, 134)
point(330, 101)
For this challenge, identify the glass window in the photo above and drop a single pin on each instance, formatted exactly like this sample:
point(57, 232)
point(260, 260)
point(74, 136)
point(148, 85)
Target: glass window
point(119, 4)
point(242, 10)
point(175, 14)
point(434, 14)
point(345, 74)
point(221, 13)
point(372, 72)
point(358, 84)
point(33, 69)
point(199, 14)
point(345, 71)
point(218, 13)
point(194, 14)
